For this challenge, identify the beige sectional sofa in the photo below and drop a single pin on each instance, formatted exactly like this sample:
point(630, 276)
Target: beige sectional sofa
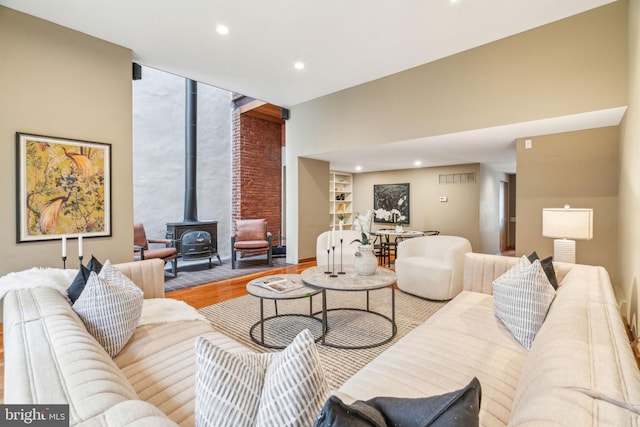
point(50, 358)
point(579, 371)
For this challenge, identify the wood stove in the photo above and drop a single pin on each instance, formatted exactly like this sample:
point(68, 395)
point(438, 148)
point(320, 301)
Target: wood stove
point(196, 244)
point(177, 231)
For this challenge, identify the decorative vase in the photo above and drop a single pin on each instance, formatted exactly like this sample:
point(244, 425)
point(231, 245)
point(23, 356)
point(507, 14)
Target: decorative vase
point(399, 228)
point(366, 262)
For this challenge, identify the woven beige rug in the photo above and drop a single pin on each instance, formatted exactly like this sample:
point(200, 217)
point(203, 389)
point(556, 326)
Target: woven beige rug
point(346, 327)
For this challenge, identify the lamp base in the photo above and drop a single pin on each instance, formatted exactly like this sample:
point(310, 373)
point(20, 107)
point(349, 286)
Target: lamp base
point(564, 250)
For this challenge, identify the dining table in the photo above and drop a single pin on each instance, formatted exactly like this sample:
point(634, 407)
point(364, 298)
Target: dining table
point(389, 239)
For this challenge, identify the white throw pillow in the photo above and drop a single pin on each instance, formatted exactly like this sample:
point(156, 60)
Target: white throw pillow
point(259, 389)
point(522, 296)
point(110, 306)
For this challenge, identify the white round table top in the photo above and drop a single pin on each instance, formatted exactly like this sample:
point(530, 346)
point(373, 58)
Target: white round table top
point(260, 292)
point(350, 281)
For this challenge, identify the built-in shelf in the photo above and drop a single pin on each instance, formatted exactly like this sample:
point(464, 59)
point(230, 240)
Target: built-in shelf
point(341, 199)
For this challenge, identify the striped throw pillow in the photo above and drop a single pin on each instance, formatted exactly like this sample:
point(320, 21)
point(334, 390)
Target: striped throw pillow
point(259, 389)
point(521, 297)
point(110, 306)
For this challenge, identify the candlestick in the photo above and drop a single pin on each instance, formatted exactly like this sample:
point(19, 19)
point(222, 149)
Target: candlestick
point(341, 270)
point(334, 263)
point(64, 261)
point(328, 250)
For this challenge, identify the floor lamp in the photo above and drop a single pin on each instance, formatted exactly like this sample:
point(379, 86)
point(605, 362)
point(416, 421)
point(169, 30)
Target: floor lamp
point(567, 225)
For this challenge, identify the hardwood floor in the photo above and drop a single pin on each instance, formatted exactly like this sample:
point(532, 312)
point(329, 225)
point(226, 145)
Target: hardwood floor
point(198, 297)
point(213, 293)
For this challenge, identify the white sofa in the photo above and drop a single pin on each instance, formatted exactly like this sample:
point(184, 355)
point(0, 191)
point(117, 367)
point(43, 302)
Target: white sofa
point(431, 266)
point(348, 249)
point(580, 370)
point(50, 358)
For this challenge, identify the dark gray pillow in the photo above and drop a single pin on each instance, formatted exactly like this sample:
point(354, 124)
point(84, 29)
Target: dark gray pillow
point(94, 265)
point(458, 408)
point(336, 413)
point(79, 282)
point(547, 266)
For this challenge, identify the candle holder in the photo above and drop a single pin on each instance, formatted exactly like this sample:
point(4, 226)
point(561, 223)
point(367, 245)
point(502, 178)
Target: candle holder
point(334, 263)
point(328, 272)
point(64, 262)
point(80, 258)
point(341, 270)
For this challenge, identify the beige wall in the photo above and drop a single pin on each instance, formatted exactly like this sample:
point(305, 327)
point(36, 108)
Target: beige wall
point(575, 168)
point(629, 217)
point(490, 215)
point(459, 216)
point(570, 66)
point(58, 82)
point(313, 199)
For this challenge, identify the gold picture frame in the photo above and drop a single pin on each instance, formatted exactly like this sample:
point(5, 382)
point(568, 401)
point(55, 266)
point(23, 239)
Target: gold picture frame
point(63, 188)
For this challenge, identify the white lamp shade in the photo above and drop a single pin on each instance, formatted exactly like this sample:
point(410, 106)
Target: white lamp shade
point(567, 223)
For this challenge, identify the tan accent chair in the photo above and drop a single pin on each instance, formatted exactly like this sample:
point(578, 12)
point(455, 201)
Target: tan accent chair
point(141, 248)
point(250, 237)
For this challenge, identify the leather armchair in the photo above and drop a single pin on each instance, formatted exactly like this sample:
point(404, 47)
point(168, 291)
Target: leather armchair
point(141, 249)
point(250, 237)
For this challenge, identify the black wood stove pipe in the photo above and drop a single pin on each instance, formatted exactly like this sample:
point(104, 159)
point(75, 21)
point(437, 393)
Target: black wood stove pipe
point(191, 154)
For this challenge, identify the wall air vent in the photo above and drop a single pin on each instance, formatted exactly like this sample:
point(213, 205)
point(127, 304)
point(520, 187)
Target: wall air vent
point(457, 178)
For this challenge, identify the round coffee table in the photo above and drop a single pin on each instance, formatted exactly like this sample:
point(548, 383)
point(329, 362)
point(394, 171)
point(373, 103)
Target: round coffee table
point(267, 294)
point(352, 281)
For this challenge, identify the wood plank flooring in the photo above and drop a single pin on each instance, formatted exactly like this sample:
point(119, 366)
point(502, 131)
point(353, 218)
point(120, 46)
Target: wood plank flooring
point(213, 293)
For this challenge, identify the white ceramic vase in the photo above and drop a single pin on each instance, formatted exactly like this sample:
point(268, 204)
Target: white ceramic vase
point(399, 229)
point(366, 262)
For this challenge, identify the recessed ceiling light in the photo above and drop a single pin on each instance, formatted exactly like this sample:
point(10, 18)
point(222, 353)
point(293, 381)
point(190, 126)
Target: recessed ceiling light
point(358, 168)
point(298, 65)
point(417, 163)
point(222, 30)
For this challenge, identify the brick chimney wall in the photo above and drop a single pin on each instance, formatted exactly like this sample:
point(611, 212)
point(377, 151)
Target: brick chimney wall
point(257, 168)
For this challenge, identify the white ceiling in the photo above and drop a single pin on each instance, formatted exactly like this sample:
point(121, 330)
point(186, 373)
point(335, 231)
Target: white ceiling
point(342, 43)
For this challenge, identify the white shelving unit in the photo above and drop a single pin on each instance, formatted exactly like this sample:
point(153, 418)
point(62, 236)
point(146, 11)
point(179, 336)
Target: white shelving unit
point(341, 199)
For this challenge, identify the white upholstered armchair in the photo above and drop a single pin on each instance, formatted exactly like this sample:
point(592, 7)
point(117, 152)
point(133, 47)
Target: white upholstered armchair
point(432, 266)
point(348, 249)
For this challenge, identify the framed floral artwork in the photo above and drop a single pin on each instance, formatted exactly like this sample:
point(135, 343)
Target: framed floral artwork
point(63, 188)
point(391, 197)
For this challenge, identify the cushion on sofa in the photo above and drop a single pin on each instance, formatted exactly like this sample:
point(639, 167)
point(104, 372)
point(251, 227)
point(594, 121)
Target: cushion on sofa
point(547, 266)
point(522, 297)
point(80, 281)
point(78, 284)
point(261, 389)
point(460, 407)
point(110, 306)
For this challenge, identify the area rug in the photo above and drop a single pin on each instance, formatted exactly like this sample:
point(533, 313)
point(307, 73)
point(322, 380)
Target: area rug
point(198, 273)
point(346, 327)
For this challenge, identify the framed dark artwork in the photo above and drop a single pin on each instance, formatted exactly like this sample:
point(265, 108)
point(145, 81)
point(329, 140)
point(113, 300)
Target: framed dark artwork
point(63, 188)
point(391, 196)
